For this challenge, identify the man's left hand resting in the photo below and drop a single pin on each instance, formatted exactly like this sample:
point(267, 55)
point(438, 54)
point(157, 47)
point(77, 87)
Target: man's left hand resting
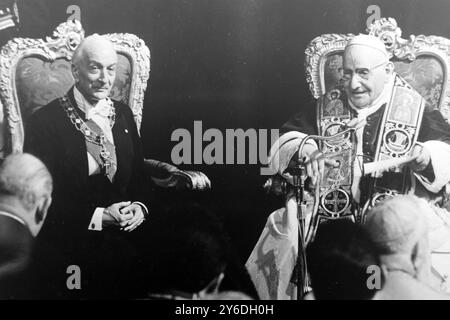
point(137, 218)
point(125, 215)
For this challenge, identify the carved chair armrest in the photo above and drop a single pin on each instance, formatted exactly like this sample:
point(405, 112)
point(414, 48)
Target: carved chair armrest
point(166, 175)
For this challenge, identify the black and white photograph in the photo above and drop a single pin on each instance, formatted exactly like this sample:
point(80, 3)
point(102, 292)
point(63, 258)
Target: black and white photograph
point(250, 151)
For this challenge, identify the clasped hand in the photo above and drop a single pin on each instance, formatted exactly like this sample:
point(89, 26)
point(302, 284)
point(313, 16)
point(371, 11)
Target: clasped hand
point(125, 215)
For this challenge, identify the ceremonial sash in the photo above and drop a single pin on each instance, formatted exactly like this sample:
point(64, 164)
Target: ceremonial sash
point(97, 145)
point(397, 134)
point(335, 188)
point(103, 151)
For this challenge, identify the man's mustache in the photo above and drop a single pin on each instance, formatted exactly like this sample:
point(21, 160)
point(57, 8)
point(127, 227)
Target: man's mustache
point(102, 87)
point(356, 92)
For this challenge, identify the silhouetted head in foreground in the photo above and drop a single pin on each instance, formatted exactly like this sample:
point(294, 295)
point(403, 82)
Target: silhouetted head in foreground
point(188, 253)
point(338, 261)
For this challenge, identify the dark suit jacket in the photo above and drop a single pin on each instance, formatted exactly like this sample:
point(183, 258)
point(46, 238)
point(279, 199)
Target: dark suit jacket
point(16, 244)
point(51, 136)
point(25, 273)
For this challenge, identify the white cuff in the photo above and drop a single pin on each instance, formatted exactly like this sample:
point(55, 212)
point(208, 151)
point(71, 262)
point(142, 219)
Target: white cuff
point(96, 220)
point(144, 207)
point(284, 149)
point(440, 153)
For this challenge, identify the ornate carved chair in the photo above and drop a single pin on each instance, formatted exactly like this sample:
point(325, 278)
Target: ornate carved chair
point(33, 72)
point(423, 61)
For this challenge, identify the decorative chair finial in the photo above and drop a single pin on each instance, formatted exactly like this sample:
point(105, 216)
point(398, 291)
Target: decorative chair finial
point(68, 34)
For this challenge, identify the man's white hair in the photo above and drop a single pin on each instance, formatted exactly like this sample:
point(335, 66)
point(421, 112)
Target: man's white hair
point(94, 38)
point(25, 177)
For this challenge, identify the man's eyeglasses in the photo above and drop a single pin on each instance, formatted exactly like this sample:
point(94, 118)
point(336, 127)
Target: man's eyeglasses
point(363, 73)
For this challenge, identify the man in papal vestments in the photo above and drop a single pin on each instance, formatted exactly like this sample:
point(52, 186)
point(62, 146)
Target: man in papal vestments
point(382, 154)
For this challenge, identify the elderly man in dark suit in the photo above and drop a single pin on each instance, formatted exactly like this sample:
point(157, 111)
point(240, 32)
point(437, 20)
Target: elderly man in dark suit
point(25, 196)
point(91, 146)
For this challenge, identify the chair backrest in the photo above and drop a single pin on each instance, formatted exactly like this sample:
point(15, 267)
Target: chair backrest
point(35, 71)
point(423, 61)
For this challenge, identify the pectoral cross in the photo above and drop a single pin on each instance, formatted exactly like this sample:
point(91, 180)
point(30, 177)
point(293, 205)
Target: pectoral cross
point(335, 201)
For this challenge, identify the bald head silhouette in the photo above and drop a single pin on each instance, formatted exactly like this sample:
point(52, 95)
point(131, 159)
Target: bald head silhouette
point(25, 189)
point(399, 228)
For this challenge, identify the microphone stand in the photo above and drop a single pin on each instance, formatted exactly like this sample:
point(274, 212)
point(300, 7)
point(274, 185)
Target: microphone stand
point(302, 271)
point(299, 178)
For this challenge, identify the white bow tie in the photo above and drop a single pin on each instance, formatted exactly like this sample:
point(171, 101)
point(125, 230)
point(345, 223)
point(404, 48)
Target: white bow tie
point(102, 109)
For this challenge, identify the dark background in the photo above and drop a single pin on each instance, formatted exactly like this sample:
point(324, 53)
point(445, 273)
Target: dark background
point(231, 64)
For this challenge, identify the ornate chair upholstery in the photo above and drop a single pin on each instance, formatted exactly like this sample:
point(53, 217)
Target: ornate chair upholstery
point(423, 61)
point(33, 72)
